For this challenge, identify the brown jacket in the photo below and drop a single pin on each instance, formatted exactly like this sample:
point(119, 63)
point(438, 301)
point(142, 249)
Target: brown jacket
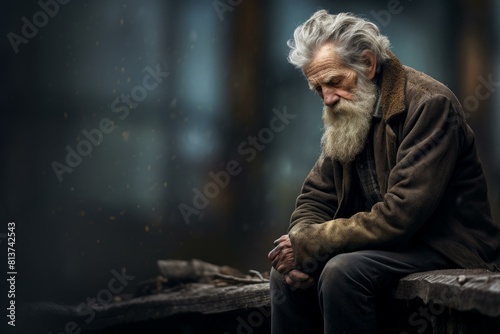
point(430, 178)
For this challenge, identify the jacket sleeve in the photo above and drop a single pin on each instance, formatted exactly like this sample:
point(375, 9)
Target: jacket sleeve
point(317, 202)
point(425, 160)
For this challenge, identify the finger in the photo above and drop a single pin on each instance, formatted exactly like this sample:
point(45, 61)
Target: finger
point(279, 254)
point(284, 237)
point(298, 275)
point(299, 285)
point(284, 245)
point(286, 257)
point(289, 281)
point(281, 263)
point(273, 253)
point(285, 266)
point(287, 251)
point(278, 261)
point(277, 257)
point(280, 239)
point(287, 242)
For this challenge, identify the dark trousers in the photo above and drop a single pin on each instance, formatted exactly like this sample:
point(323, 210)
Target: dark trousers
point(349, 291)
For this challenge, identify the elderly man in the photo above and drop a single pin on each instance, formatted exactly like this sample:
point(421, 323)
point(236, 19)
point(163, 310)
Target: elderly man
point(398, 187)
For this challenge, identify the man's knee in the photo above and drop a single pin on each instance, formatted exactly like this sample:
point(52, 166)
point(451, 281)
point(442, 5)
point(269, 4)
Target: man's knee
point(345, 269)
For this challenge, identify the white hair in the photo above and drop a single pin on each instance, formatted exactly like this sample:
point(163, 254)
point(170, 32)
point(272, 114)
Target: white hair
point(350, 35)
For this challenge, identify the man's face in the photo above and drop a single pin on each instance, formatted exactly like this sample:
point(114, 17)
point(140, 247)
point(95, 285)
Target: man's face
point(329, 77)
point(348, 104)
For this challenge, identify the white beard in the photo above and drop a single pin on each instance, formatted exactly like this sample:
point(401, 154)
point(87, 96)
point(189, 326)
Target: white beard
point(347, 123)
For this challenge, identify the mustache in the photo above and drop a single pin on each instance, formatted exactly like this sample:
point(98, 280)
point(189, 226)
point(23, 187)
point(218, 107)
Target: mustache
point(342, 105)
point(363, 97)
point(346, 109)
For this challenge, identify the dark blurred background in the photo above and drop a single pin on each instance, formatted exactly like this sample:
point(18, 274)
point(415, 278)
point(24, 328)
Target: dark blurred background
point(119, 207)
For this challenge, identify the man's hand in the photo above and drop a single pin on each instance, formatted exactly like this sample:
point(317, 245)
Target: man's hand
point(297, 279)
point(282, 257)
point(283, 260)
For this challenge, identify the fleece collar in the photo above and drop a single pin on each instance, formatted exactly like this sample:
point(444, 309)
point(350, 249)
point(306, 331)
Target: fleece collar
point(392, 88)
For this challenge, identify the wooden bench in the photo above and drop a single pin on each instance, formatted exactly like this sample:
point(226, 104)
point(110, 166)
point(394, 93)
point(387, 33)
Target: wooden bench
point(221, 300)
point(452, 301)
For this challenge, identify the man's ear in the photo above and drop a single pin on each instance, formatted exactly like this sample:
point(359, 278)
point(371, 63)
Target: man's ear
point(368, 58)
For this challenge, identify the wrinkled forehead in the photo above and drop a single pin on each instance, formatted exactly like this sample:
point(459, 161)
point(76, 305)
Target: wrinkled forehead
point(317, 70)
point(324, 60)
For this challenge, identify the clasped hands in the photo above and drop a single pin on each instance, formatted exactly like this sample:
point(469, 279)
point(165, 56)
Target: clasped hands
point(283, 260)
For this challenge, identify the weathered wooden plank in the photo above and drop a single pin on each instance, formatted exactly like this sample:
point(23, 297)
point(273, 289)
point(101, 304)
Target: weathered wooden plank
point(191, 298)
point(459, 289)
point(202, 298)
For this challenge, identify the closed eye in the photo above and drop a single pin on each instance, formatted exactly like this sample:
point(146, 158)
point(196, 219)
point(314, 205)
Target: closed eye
point(334, 82)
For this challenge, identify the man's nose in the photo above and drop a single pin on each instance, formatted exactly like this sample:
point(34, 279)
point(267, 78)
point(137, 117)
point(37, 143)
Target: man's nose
point(330, 96)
